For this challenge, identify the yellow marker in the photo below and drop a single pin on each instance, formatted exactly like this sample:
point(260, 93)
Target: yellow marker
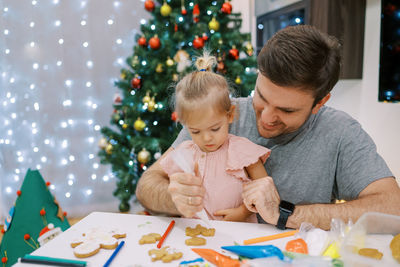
point(269, 237)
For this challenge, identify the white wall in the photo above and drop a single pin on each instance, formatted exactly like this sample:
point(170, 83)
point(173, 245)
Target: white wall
point(359, 98)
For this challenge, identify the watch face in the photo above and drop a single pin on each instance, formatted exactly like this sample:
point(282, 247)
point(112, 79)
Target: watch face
point(286, 206)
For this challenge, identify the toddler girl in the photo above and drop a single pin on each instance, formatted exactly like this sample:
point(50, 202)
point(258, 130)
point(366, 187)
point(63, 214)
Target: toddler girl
point(223, 161)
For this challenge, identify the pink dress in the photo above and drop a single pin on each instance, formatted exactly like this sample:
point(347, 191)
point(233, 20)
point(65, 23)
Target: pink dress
point(222, 171)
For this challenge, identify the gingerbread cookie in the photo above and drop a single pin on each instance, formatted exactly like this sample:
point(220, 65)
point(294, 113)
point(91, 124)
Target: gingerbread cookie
point(149, 238)
point(200, 230)
point(371, 253)
point(395, 247)
point(90, 243)
point(166, 254)
point(195, 241)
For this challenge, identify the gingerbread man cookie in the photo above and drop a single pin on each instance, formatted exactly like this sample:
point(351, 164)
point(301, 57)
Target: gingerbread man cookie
point(150, 238)
point(91, 242)
point(194, 232)
point(200, 230)
point(166, 254)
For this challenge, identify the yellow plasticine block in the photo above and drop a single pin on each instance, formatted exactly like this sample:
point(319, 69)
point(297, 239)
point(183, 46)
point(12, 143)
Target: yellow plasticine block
point(332, 251)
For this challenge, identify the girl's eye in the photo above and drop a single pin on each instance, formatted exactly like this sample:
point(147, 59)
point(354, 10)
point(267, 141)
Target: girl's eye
point(216, 129)
point(195, 132)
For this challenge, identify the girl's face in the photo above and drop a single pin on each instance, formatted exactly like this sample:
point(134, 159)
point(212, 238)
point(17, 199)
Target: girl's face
point(208, 128)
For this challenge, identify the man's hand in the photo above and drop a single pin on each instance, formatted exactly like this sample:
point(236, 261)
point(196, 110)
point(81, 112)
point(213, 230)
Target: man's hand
point(187, 192)
point(261, 196)
point(239, 214)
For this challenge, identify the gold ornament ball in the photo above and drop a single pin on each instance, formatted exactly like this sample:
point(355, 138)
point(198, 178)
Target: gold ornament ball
point(139, 125)
point(249, 49)
point(109, 149)
point(238, 80)
point(165, 10)
point(146, 98)
point(123, 75)
point(220, 42)
point(169, 62)
point(103, 143)
point(151, 104)
point(143, 156)
point(135, 61)
point(124, 126)
point(213, 24)
point(159, 68)
point(175, 77)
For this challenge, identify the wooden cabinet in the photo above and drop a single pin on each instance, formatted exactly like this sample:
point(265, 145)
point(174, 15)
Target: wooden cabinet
point(344, 19)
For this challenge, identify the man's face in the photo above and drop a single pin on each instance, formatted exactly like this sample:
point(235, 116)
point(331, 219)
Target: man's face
point(281, 110)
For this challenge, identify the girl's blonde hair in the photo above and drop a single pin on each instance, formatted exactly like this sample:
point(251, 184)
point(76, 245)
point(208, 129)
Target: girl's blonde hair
point(202, 88)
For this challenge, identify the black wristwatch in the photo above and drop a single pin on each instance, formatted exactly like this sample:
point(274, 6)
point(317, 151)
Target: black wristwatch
point(285, 210)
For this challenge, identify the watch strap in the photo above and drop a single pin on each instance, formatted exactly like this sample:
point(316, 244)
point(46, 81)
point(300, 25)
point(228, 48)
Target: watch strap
point(283, 217)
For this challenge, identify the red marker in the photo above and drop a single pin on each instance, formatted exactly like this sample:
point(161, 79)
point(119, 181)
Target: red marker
point(165, 234)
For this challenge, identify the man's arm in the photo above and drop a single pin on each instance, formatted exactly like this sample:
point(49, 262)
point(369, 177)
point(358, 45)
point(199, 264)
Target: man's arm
point(382, 195)
point(152, 189)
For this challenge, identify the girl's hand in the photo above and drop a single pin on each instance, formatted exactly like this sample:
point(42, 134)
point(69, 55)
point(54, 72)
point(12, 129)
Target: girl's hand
point(239, 214)
point(187, 192)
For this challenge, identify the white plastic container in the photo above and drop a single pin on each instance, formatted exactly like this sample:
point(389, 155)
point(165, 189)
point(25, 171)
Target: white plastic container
point(372, 230)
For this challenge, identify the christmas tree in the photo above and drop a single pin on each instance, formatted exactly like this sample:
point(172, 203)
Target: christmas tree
point(35, 219)
point(144, 125)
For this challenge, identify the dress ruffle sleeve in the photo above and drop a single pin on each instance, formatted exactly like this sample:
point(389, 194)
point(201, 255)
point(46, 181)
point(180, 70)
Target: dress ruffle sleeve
point(170, 165)
point(243, 153)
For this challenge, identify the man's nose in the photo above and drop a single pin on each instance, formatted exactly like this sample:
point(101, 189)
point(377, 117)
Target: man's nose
point(268, 115)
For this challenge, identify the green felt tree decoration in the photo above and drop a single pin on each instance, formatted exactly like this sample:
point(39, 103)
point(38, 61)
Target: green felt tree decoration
point(35, 219)
point(166, 48)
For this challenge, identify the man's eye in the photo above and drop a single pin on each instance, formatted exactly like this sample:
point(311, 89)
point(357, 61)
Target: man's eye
point(215, 129)
point(288, 111)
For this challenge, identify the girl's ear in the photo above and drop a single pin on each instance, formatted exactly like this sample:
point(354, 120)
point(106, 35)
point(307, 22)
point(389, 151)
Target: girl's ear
point(231, 113)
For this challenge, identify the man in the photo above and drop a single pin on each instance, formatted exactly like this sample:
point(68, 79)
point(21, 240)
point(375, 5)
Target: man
point(319, 154)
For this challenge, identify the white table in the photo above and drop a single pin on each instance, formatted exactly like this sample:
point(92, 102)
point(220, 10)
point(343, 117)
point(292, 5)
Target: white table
point(135, 226)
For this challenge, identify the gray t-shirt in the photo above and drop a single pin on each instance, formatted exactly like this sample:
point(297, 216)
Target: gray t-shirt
point(329, 157)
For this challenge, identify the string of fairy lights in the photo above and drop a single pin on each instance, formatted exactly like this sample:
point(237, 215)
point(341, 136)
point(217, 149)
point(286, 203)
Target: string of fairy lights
point(59, 60)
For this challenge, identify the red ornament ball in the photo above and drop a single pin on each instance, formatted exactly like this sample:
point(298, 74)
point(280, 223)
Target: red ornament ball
point(42, 212)
point(226, 8)
point(149, 5)
point(198, 43)
point(27, 236)
point(234, 53)
point(174, 116)
point(184, 11)
point(65, 214)
point(3, 231)
point(48, 183)
point(135, 82)
point(19, 192)
point(155, 43)
point(142, 41)
point(205, 37)
point(4, 260)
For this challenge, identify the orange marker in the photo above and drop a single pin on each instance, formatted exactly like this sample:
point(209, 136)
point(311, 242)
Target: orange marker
point(269, 237)
point(165, 234)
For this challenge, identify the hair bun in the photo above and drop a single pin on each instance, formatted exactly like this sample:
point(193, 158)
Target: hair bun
point(206, 62)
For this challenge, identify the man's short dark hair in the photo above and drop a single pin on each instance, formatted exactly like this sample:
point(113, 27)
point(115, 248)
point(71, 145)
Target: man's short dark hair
point(303, 57)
